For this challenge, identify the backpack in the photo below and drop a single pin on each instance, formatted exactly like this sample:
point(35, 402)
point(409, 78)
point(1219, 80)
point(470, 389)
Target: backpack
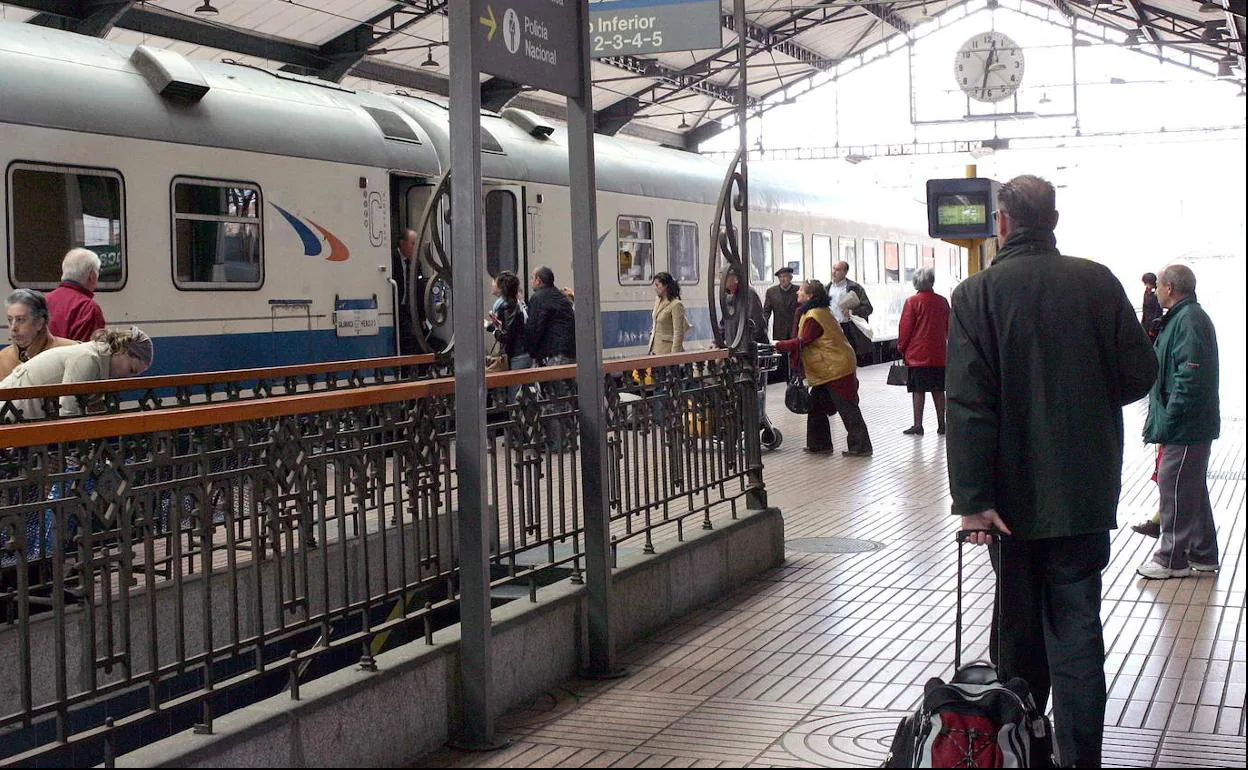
point(974, 721)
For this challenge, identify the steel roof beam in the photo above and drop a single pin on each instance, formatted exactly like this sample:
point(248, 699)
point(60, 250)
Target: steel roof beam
point(773, 39)
point(889, 17)
point(86, 17)
point(1062, 7)
point(350, 48)
point(1137, 11)
point(772, 36)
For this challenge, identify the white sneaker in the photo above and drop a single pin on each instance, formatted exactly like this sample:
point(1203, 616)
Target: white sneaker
point(1154, 571)
point(1198, 567)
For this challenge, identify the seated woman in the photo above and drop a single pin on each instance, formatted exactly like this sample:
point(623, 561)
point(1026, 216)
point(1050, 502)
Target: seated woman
point(26, 312)
point(111, 354)
point(820, 348)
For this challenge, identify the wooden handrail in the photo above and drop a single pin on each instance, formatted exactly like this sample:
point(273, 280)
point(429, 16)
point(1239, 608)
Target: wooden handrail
point(214, 377)
point(113, 425)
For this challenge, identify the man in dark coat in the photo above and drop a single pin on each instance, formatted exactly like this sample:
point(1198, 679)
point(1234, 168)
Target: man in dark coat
point(780, 305)
point(850, 299)
point(1184, 418)
point(1035, 442)
point(550, 332)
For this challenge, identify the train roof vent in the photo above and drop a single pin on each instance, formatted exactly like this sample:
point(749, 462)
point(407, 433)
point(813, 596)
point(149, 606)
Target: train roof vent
point(529, 123)
point(169, 74)
point(490, 144)
point(392, 126)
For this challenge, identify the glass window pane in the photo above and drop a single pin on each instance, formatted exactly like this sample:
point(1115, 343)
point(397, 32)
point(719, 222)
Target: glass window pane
point(794, 253)
point(760, 256)
point(55, 209)
point(821, 258)
point(217, 242)
point(870, 260)
point(892, 262)
point(929, 257)
point(635, 238)
point(682, 251)
point(912, 260)
point(501, 237)
point(849, 255)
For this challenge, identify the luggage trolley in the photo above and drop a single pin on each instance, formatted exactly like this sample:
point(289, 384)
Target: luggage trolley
point(768, 361)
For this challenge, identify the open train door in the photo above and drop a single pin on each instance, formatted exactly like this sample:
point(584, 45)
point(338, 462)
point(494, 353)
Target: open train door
point(428, 294)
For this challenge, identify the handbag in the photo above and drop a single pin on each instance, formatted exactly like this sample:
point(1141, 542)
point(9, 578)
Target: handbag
point(496, 362)
point(797, 395)
point(898, 374)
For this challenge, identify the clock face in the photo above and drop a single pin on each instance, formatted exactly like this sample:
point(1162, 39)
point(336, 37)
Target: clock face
point(989, 67)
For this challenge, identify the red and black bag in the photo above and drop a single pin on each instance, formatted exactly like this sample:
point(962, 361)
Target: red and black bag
point(974, 720)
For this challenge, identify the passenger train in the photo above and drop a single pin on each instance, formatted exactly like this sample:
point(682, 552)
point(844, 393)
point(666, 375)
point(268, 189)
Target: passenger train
point(242, 214)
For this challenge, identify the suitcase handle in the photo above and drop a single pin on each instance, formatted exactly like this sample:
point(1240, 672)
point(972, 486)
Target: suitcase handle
point(961, 537)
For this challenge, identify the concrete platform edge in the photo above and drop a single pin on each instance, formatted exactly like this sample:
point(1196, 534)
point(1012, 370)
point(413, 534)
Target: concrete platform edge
point(409, 707)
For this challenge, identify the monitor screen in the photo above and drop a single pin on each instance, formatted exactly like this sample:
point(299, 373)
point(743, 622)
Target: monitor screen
point(962, 210)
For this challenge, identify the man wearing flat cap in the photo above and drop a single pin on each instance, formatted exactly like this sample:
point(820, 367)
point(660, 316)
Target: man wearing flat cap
point(780, 306)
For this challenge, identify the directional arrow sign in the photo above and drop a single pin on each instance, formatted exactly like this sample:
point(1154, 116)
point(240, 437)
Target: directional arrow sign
point(539, 45)
point(489, 22)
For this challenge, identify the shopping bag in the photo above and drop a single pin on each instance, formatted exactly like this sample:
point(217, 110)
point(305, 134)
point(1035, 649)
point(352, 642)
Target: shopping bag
point(898, 374)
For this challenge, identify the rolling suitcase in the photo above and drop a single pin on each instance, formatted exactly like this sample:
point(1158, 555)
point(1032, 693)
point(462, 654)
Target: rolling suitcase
point(974, 719)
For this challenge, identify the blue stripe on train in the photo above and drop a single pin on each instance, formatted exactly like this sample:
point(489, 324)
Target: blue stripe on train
point(201, 353)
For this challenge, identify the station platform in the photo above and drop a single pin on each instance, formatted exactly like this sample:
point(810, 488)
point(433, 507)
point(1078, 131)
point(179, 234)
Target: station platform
point(813, 664)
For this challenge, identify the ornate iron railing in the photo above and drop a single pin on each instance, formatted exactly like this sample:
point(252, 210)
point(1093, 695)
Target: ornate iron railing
point(155, 566)
point(148, 393)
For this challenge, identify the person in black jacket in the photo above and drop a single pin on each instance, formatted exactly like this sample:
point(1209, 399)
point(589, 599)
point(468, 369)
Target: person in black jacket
point(550, 333)
point(1150, 313)
point(1035, 437)
point(507, 323)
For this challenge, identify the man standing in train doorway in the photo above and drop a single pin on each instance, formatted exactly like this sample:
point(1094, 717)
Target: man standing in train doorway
point(849, 299)
point(780, 305)
point(1184, 418)
point(1035, 451)
point(404, 253)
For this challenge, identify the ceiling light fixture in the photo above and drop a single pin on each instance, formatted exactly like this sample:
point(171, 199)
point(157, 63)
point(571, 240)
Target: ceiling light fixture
point(1133, 37)
point(855, 158)
point(1208, 7)
point(430, 62)
point(1044, 98)
point(1224, 66)
point(683, 123)
point(1212, 33)
point(207, 9)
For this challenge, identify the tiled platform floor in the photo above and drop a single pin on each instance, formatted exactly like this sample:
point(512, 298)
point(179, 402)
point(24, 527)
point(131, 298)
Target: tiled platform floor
point(814, 663)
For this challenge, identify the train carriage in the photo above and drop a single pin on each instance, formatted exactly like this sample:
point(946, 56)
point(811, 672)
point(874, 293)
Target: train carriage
point(238, 211)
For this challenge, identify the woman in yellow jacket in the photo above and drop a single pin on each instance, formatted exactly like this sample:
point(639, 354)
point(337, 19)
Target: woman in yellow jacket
point(820, 348)
point(668, 333)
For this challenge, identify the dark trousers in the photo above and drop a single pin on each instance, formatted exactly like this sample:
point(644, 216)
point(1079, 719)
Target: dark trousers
point(1047, 630)
point(1187, 528)
point(824, 402)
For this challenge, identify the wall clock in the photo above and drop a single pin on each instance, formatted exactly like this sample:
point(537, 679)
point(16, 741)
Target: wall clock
point(989, 67)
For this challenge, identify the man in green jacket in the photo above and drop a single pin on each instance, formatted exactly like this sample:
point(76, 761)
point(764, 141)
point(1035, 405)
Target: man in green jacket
point(1044, 351)
point(1183, 418)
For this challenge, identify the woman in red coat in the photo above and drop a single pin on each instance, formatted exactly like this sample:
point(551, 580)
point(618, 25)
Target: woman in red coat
point(921, 339)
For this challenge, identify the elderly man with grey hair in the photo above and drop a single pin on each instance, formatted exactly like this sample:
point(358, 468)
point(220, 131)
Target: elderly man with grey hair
point(1184, 418)
point(922, 338)
point(74, 312)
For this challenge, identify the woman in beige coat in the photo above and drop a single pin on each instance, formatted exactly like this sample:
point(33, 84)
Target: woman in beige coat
point(111, 354)
point(670, 324)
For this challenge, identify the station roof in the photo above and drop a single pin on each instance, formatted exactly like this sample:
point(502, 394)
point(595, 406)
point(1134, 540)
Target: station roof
point(679, 99)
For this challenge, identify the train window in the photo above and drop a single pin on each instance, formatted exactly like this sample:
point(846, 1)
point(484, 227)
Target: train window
point(793, 246)
point(929, 257)
point(892, 262)
point(53, 209)
point(501, 251)
point(217, 235)
point(849, 255)
point(635, 247)
point(821, 258)
point(870, 261)
point(682, 251)
point(912, 260)
point(760, 256)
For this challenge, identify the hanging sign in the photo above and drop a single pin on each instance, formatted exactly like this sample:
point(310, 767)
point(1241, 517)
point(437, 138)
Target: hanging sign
point(631, 27)
point(532, 42)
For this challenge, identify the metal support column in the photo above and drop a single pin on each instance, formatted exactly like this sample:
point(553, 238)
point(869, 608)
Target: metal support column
point(589, 382)
point(756, 495)
point(476, 673)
